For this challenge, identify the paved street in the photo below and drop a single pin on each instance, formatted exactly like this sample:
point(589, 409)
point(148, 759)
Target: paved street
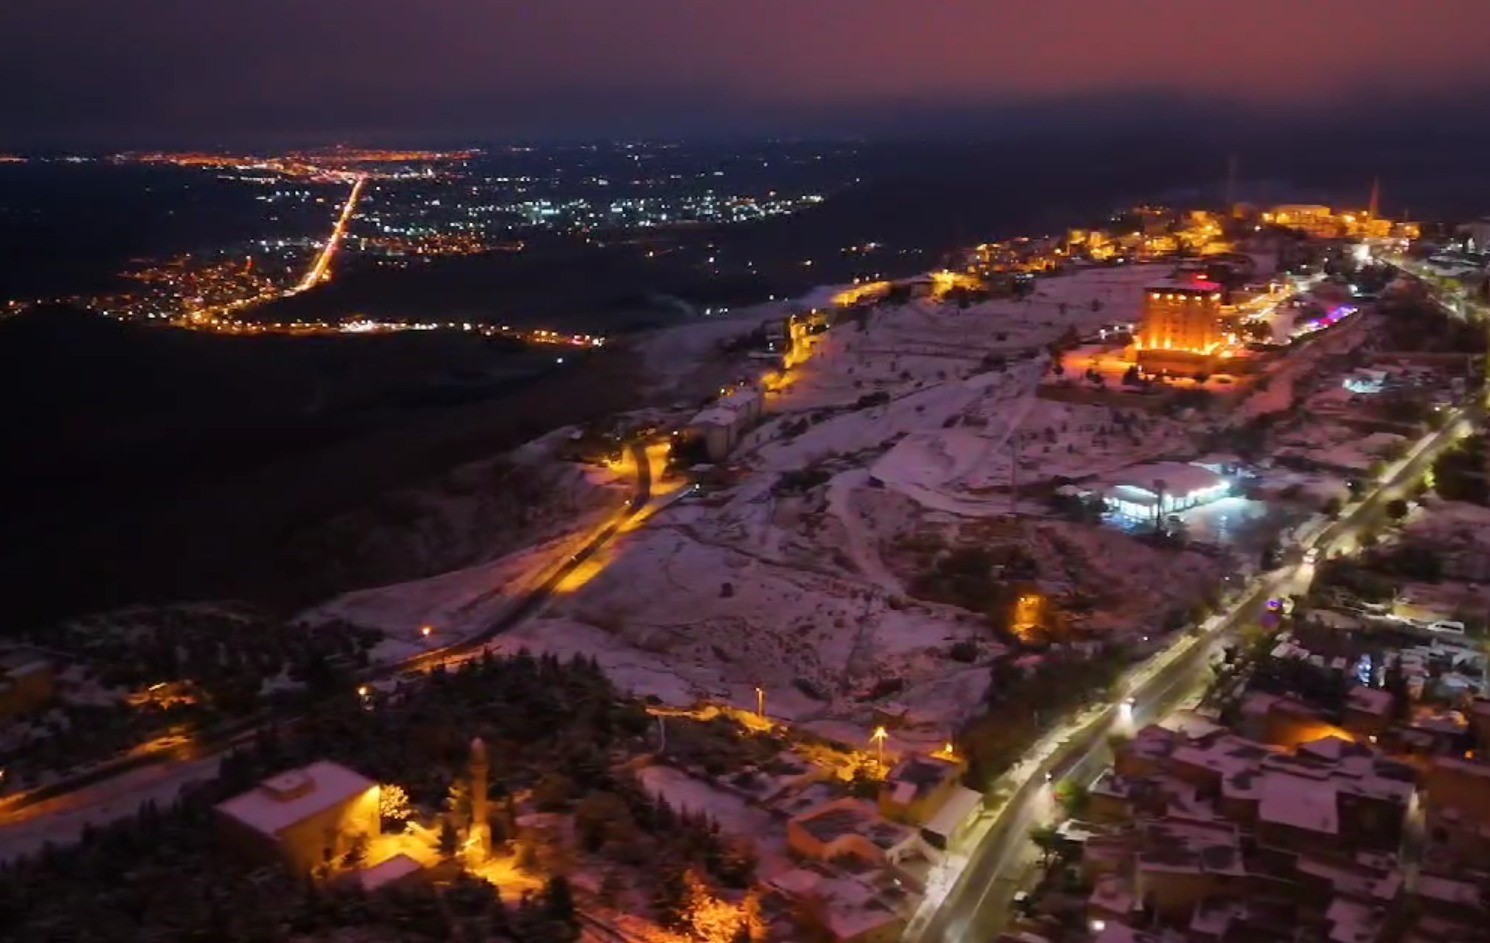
point(998, 852)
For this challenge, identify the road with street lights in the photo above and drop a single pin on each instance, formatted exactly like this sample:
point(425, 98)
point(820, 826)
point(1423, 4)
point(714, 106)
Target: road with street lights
point(974, 905)
point(93, 790)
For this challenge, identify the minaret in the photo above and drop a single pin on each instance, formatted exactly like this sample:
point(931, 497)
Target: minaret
point(1374, 208)
point(479, 835)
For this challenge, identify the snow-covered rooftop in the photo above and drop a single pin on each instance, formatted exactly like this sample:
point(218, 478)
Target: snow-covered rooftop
point(1300, 803)
point(387, 872)
point(295, 795)
point(1179, 478)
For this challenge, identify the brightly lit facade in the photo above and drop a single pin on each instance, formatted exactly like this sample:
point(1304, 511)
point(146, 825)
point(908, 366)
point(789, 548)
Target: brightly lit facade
point(1153, 492)
point(1181, 324)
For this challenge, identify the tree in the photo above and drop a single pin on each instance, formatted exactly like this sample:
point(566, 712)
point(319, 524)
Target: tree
point(1072, 796)
point(558, 899)
point(1331, 506)
point(393, 804)
point(602, 817)
point(449, 839)
point(1396, 509)
point(458, 799)
point(356, 855)
point(611, 888)
point(670, 895)
point(1395, 684)
point(1048, 839)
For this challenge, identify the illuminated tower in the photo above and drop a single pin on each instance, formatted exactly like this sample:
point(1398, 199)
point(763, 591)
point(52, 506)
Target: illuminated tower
point(479, 835)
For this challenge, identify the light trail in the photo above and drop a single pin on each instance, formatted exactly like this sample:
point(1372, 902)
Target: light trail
point(321, 268)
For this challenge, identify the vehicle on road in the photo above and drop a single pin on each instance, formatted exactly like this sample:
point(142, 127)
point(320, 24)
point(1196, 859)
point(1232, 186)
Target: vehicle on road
point(1311, 556)
point(1447, 627)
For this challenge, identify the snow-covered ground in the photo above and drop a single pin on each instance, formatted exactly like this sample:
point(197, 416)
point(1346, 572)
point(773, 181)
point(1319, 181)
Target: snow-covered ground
point(735, 817)
point(568, 503)
point(794, 578)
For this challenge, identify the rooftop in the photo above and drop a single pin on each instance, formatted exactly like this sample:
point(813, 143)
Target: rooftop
point(1184, 283)
point(921, 774)
point(1370, 700)
point(295, 795)
point(387, 872)
point(852, 817)
point(1300, 803)
point(1179, 478)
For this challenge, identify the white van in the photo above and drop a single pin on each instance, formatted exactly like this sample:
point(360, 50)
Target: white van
point(1446, 627)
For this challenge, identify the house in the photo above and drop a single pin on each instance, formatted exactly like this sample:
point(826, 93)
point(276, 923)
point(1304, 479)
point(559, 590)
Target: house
point(848, 828)
point(397, 870)
point(1368, 711)
point(305, 817)
point(917, 786)
point(851, 904)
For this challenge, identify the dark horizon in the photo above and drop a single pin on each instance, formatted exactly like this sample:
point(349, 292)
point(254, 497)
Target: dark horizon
point(273, 73)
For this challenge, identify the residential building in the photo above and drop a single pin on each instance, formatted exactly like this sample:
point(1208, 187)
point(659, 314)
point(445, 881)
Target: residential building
point(846, 904)
point(720, 426)
point(849, 828)
point(916, 787)
point(1179, 330)
point(305, 817)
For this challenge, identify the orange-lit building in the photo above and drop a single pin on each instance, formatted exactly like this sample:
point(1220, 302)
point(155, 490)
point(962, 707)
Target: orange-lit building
point(303, 817)
point(1180, 328)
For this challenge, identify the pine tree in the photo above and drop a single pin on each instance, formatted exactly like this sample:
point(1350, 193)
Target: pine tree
point(449, 839)
point(670, 896)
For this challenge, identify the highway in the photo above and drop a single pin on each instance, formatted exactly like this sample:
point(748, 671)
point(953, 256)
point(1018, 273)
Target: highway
point(321, 267)
point(975, 907)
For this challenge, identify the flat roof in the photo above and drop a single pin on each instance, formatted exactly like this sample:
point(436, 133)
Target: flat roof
point(295, 795)
point(1180, 478)
point(399, 866)
point(922, 773)
point(959, 805)
point(1185, 283)
point(1298, 802)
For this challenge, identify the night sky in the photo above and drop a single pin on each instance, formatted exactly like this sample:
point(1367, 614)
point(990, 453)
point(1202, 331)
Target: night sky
point(176, 72)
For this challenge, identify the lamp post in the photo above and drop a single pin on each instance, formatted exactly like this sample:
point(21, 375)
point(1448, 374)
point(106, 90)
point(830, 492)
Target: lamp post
point(760, 702)
point(878, 737)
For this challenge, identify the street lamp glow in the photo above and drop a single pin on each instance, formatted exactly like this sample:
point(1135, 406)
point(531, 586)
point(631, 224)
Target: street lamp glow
point(425, 630)
point(878, 737)
point(760, 702)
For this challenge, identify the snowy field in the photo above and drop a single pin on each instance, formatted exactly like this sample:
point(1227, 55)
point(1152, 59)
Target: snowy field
point(794, 579)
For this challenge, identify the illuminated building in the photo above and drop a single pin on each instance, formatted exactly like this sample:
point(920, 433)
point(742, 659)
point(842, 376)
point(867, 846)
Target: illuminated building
point(1152, 492)
point(1312, 218)
point(304, 817)
point(1180, 329)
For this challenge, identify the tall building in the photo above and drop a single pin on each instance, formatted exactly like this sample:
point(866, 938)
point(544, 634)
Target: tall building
point(1180, 328)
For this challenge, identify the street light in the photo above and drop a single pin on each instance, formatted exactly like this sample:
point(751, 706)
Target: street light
point(425, 630)
point(878, 737)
